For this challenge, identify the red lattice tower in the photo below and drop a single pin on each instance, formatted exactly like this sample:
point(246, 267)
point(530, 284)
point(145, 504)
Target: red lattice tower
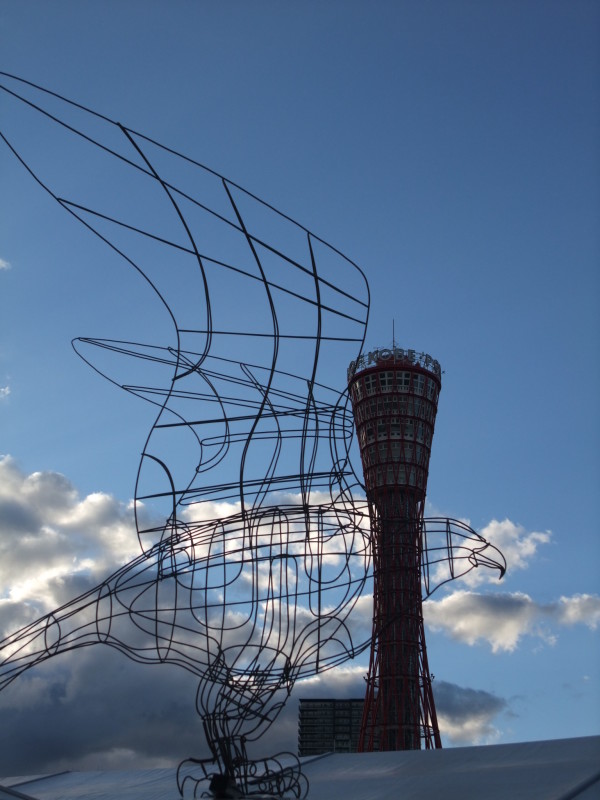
point(394, 396)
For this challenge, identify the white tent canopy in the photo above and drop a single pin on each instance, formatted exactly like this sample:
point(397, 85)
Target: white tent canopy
point(561, 769)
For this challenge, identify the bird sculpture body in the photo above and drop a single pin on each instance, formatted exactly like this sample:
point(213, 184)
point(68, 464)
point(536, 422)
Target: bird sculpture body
point(253, 526)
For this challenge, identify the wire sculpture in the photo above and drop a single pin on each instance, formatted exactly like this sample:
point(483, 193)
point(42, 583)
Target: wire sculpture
point(253, 526)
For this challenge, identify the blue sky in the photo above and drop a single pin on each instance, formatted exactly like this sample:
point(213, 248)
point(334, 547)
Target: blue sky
point(451, 151)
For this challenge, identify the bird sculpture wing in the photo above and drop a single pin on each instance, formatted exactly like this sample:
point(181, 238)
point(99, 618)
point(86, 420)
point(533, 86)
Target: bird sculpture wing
point(255, 548)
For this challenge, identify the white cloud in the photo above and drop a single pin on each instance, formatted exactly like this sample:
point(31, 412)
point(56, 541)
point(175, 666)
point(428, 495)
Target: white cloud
point(4, 392)
point(4, 264)
point(50, 535)
point(507, 540)
point(580, 609)
point(55, 544)
point(517, 545)
point(502, 619)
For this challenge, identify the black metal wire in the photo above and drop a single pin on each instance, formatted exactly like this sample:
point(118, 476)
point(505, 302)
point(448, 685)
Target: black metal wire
point(250, 600)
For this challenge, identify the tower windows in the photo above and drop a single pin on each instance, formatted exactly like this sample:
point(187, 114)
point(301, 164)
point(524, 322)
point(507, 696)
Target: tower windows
point(403, 381)
point(431, 389)
point(386, 380)
point(370, 384)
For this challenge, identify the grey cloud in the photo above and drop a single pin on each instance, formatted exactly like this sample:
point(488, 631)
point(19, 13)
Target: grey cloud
point(93, 708)
point(459, 703)
point(16, 518)
point(466, 716)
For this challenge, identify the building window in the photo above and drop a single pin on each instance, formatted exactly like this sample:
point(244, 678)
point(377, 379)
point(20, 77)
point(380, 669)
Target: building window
point(403, 381)
point(370, 384)
point(329, 726)
point(386, 381)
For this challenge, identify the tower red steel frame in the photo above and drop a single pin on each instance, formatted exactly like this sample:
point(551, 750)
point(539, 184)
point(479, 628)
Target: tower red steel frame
point(394, 395)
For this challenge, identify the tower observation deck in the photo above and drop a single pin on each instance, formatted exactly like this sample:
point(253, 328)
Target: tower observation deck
point(394, 395)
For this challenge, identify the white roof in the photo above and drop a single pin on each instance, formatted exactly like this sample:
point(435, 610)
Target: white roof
point(561, 769)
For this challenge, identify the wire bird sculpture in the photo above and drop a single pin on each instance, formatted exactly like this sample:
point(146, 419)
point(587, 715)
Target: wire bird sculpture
point(252, 524)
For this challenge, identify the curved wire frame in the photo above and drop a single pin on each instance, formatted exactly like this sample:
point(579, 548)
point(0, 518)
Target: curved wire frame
point(253, 528)
point(450, 549)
